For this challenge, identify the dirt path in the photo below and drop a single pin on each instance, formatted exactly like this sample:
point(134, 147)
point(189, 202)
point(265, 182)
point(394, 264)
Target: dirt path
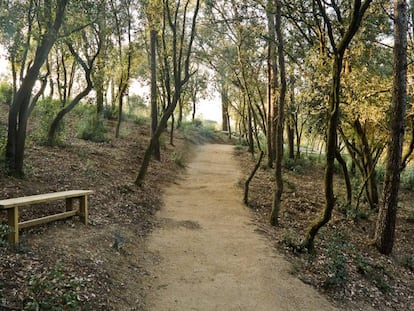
point(211, 258)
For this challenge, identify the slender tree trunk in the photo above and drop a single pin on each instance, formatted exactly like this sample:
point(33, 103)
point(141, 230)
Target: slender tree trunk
point(250, 138)
point(250, 178)
point(277, 195)
point(331, 146)
point(194, 110)
point(172, 130)
point(368, 170)
point(348, 184)
point(224, 109)
point(271, 82)
point(357, 14)
point(385, 229)
point(89, 85)
point(180, 113)
point(68, 108)
point(120, 112)
point(290, 137)
point(154, 93)
point(181, 66)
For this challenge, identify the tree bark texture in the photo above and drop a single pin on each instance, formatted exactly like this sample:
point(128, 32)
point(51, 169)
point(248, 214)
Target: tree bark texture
point(154, 106)
point(277, 195)
point(272, 83)
point(385, 228)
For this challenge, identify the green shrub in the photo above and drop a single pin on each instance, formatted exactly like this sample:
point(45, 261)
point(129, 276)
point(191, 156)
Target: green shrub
point(4, 231)
point(380, 173)
point(374, 272)
point(178, 159)
point(295, 166)
point(408, 262)
point(92, 128)
point(110, 113)
point(3, 142)
point(407, 178)
point(197, 131)
point(337, 262)
point(291, 238)
point(6, 93)
point(53, 290)
point(45, 112)
point(140, 120)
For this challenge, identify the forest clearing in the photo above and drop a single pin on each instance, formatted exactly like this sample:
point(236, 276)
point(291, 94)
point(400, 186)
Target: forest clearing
point(105, 102)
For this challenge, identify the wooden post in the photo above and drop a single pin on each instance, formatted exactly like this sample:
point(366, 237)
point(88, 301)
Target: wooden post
point(13, 222)
point(83, 208)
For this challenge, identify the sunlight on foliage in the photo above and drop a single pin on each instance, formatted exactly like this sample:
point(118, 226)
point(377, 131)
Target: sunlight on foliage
point(45, 112)
point(92, 128)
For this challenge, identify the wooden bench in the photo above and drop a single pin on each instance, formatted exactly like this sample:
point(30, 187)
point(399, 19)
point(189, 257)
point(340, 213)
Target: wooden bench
point(12, 207)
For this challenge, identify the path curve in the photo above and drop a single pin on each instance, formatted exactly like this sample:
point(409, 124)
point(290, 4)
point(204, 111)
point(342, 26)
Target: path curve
point(211, 258)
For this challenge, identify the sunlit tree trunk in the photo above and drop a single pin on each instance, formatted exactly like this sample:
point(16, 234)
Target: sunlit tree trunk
point(181, 73)
point(357, 14)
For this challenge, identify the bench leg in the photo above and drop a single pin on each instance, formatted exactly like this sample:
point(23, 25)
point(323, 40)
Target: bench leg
point(13, 222)
point(83, 209)
point(69, 204)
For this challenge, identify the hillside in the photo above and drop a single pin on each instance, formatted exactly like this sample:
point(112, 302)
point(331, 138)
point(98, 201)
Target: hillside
point(89, 263)
point(345, 266)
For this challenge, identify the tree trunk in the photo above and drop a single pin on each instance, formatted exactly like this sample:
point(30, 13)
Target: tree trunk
point(369, 164)
point(225, 118)
point(172, 130)
point(290, 137)
point(249, 179)
point(385, 228)
point(89, 85)
point(58, 119)
point(154, 94)
point(277, 196)
point(180, 113)
point(348, 184)
point(120, 112)
point(331, 146)
point(357, 14)
point(181, 65)
point(271, 82)
point(19, 110)
point(250, 138)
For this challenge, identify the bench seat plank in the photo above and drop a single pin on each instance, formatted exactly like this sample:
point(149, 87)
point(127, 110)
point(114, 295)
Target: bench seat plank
point(41, 198)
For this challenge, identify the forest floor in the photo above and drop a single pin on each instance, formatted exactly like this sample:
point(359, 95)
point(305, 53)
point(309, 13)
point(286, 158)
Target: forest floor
point(345, 266)
point(114, 264)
